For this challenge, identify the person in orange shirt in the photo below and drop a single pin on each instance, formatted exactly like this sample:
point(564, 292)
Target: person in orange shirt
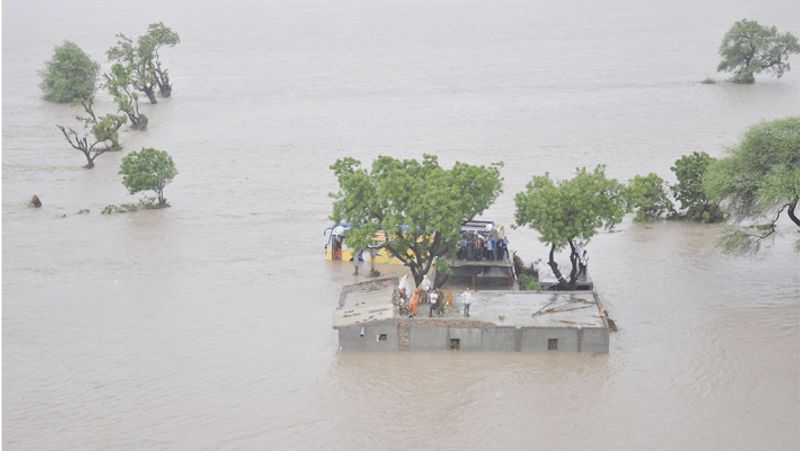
point(415, 301)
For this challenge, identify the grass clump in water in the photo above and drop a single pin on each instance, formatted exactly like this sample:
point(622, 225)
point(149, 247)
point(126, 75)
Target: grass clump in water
point(528, 283)
point(143, 204)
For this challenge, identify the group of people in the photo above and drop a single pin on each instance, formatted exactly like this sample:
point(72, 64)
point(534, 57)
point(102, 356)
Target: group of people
point(582, 255)
point(482, 246)
point(437, 299)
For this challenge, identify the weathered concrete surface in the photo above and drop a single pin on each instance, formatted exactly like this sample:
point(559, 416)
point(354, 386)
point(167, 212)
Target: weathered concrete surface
point(595, 340)
point(500, 321)
point(535, 339)
point(426, 338)
point(547, 278)
point(470, 339)
point(498, 339)
point(365, 302)
point(351, 338)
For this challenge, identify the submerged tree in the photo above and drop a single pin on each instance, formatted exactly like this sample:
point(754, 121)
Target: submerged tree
point(70, 75)
point(571, 209)
point(689, 170)
point(104, 130)
point(118, 84)
point(158, 35)
point(148, 170)
point(420, 205)
point(91, 149)
point(749, 48)
point(756, 183)
point(107, 126)
point(140, 74)
point(647, 197)
point(107, 129)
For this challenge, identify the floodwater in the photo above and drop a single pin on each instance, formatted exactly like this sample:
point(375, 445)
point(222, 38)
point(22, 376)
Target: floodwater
point(208, 325)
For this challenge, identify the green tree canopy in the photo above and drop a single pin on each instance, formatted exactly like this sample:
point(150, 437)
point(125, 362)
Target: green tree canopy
point(137, 65)
point(70, 75)
point(107, 129)
point(749, 48)
point(647, 197)
point(119, 85)
point(158, 35)
point(689, 170)
point(757, 182)
point(571, 209)
point(148, 170)
point(420, 205)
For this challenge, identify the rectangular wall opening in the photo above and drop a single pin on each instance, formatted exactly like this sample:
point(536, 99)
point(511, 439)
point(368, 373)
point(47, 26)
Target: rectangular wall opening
point(455, 344)
point(382, 337)
point(552, 344)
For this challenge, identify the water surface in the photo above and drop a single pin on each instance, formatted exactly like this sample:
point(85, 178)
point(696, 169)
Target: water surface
point(208, 325)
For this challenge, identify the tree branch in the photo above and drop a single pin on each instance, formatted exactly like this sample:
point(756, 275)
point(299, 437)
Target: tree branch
point(76, 145)
point(771, 225)
point(791, 213)
point(404, 259)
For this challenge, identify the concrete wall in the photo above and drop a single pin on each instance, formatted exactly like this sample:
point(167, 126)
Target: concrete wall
point(470, 338)
point(595, 339)
point(535, 339)
point(499, 339)
point(350, 337)
point(422, 338)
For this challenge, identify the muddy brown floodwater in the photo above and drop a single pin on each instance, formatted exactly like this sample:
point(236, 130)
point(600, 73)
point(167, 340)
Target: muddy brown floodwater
point(208, 325)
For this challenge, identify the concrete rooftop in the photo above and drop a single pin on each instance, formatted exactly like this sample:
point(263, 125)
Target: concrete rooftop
point(372, 302)
point(531, 309)
point(365, 302)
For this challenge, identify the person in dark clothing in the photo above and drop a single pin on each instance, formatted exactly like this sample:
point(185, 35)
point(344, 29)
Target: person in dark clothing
point(583, 263)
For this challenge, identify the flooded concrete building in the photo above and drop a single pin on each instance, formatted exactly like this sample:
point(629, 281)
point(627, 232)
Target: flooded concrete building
point(368, 319)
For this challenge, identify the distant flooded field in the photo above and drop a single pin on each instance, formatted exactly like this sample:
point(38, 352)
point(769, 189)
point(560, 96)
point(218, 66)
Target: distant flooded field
point(208, 325)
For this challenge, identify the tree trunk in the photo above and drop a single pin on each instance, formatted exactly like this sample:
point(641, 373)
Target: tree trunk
point(372, 271)
point(138, 122)
point(165, 89)
point(89, 160)
point(791, 214)
point(415, 274)
point(562, 283)
point(440, 280)
point(151, 95)
point(573, 258)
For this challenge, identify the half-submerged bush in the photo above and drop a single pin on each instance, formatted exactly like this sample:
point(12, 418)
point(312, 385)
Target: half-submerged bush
point(143, 204)
point(528, 283)
point(647, 197)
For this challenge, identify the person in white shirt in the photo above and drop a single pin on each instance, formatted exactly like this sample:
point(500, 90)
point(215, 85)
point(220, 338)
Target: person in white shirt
point(584, 262)
point(434, 297)
point(466, 298)
point(578, 247)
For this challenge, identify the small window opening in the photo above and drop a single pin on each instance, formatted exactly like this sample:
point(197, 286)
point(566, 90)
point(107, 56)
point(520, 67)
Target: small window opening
point(455, 344)
point(552, 344)
point(382, 337)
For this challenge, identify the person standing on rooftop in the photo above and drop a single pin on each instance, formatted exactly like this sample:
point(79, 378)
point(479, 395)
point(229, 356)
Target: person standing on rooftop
point(584, 262)
point(578, 246)
point(466, 298)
